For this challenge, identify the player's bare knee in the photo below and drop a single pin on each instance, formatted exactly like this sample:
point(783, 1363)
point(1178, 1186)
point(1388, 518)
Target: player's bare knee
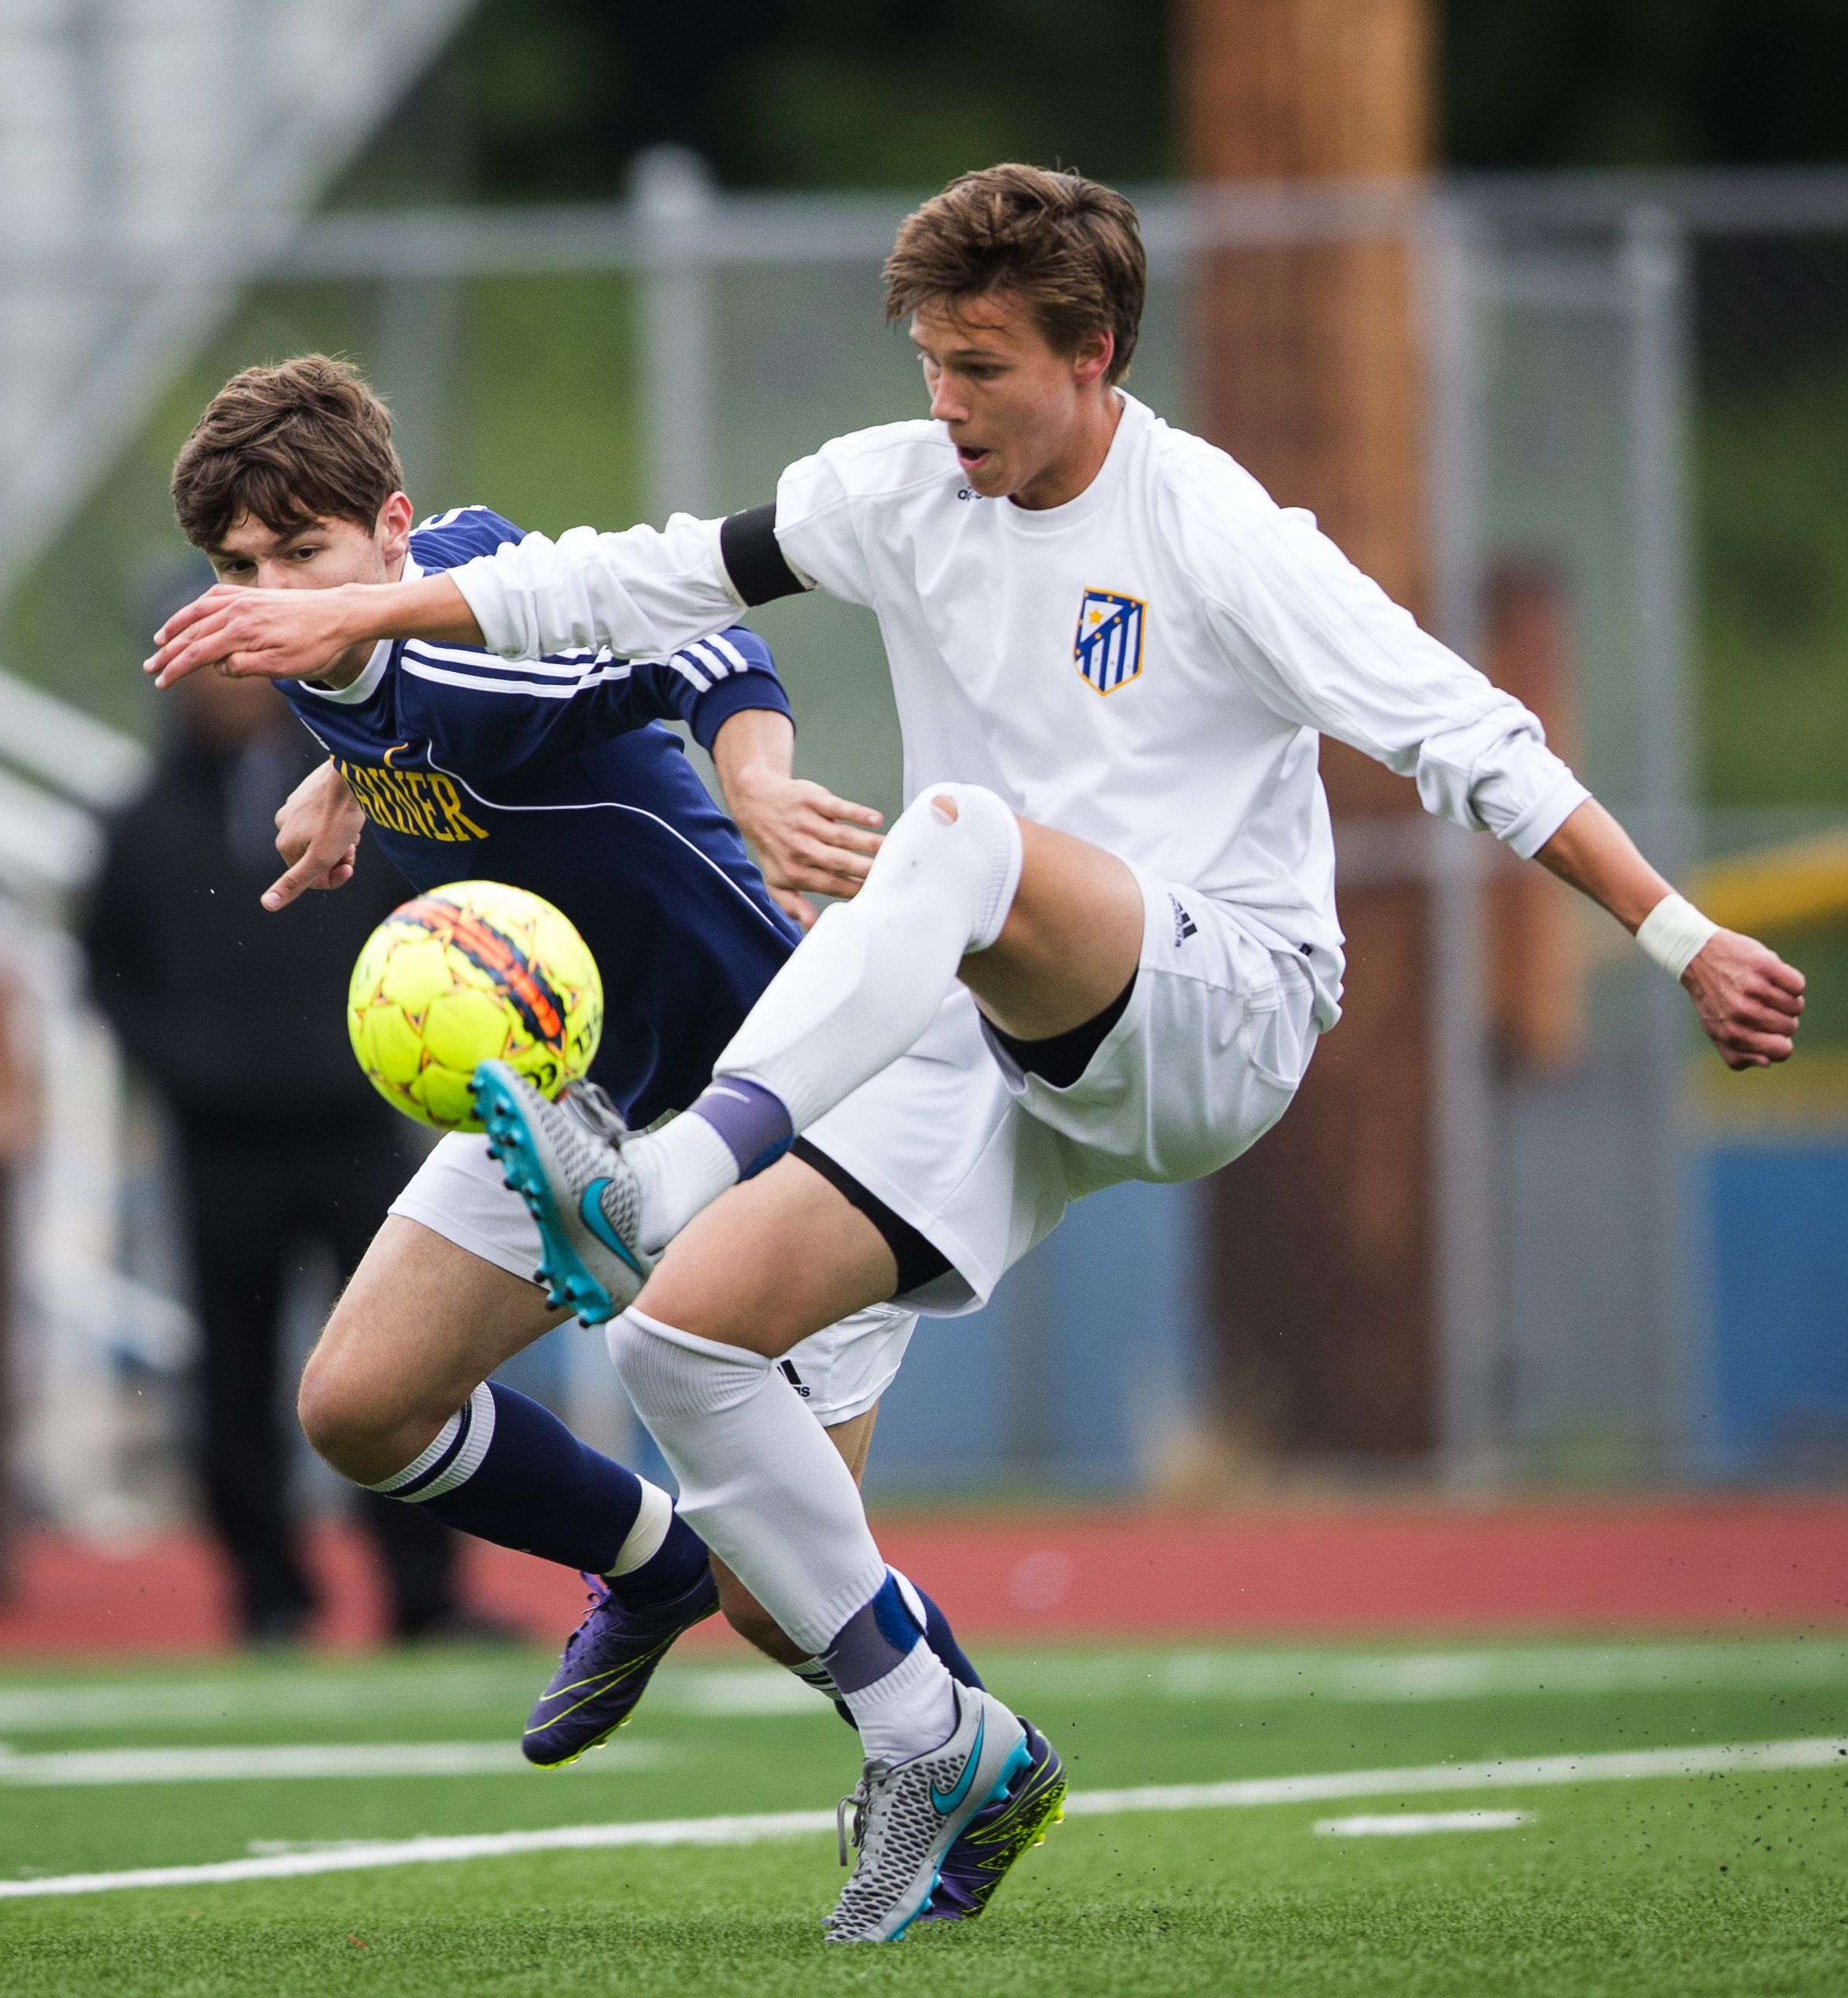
point(355, 1431)
point(333, 1418)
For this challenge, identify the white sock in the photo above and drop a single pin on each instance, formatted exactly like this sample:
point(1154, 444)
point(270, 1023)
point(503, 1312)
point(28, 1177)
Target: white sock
point(910, 1711)
point(909, 1705)
point(759, 1481)
point(869, 978)
point(682, 1167)
point(857, 992)
point(764, 1487)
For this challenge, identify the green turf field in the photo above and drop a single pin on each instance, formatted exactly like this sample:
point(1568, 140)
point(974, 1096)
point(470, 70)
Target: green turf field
point(1619, 1875)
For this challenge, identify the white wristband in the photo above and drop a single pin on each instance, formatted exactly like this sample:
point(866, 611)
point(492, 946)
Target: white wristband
point(1672, 932)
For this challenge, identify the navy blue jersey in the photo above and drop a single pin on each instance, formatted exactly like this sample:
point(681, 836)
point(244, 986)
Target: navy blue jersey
point(556, 774)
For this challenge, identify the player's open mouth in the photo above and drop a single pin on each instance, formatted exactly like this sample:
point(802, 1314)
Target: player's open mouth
point(970, 460)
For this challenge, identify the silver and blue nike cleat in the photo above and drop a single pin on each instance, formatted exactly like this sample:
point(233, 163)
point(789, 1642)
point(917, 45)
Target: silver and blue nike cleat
point(997, 1834)
point(906, 1816)
point(608, 1661)
point(565, 1160)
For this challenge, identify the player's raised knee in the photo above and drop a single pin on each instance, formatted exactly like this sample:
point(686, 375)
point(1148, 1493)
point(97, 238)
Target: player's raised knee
point(964, 834)
point(957, 810)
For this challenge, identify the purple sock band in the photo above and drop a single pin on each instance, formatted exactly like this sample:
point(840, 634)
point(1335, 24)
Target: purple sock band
point(879, 1636)
point(752, 1121)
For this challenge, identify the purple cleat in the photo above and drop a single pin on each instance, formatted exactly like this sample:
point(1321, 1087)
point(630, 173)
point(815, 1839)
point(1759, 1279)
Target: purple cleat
point(975, 1865)
point(608, 1661)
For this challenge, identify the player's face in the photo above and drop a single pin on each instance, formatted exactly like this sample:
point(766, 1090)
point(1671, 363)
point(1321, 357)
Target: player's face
point(1016, 406)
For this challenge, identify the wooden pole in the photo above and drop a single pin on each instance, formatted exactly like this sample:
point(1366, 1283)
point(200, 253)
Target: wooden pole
point(1309, 372)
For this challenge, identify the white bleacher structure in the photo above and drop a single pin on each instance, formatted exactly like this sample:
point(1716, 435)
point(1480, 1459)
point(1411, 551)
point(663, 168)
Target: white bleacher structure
point(153, 153)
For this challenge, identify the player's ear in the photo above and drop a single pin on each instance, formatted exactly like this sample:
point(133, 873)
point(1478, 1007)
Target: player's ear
point(1096, 352)
point(393, 531)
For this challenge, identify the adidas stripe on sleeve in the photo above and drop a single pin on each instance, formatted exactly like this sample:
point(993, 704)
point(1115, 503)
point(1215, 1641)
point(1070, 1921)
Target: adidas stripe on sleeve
point(480, 712)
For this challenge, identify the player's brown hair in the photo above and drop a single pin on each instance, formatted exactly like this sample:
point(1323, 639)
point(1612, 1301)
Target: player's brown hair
point(305, 439)
point(1071, 248)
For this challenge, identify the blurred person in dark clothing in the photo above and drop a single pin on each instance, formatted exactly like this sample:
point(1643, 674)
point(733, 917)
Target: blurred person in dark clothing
point(240, 1018)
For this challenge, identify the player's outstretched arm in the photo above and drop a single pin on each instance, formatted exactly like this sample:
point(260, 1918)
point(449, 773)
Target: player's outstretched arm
point(318, 833)
point(644, 590)
point(1327, 647)
point(1749, 1001)
point(807, 840)
point(297, 634)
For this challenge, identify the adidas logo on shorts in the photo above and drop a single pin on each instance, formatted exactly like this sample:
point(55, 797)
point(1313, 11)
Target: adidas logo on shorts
point(1185, 926)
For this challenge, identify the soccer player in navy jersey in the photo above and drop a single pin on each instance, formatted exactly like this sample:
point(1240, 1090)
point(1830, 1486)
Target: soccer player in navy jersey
point(557, 776)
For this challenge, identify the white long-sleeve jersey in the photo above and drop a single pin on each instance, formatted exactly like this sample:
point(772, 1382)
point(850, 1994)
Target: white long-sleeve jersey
point(1147, 666)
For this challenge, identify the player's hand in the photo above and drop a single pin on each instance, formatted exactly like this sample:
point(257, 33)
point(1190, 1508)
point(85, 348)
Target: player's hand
point(1749, 1001)
point(808, 841)
point(275, 634)
point(317, 833)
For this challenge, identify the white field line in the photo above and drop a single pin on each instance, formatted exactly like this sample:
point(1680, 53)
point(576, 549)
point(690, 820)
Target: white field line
point(1417, 1824)
point(1392, 1677)
point(1628, 1766)
point(751, 1690)
point(269, 1762)
point(755, 1691)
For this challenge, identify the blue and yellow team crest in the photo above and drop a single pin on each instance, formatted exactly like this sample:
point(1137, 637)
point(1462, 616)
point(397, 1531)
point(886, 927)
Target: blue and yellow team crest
point(1107, 649)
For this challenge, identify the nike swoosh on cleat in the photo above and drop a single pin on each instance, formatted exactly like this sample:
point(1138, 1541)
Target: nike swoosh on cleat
point(589, 1207)
point(946, 1801)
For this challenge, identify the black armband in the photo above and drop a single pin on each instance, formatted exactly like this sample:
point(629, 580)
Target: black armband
point(747, 545)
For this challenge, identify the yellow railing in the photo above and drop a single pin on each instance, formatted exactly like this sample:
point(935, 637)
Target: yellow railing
point(1796, 886)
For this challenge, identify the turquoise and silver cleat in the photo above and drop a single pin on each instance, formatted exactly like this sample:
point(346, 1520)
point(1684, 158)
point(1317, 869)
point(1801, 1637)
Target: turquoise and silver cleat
point(565, 1160)
point(999, 1833)
point(907, 1816)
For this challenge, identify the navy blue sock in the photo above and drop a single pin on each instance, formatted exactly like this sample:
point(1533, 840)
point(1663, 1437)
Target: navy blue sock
point(681, 1561)
point(942, 1639)
point(508, 1471)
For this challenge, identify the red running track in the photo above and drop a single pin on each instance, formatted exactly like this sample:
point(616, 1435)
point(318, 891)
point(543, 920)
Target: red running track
point(1720, 1565)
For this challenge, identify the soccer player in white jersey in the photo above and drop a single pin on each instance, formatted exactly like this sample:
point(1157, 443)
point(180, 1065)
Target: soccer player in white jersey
point(1099, 944)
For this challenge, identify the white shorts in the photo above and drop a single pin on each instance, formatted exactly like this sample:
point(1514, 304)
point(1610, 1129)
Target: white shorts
point(459, 1193)
point(983, 1159)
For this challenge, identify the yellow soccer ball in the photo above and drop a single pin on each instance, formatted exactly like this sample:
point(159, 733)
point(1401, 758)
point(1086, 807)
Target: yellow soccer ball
point(473, 972)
